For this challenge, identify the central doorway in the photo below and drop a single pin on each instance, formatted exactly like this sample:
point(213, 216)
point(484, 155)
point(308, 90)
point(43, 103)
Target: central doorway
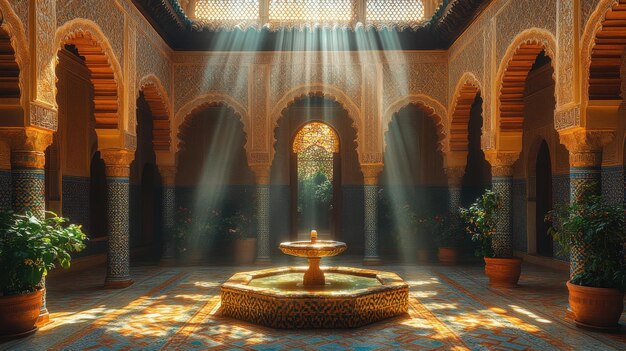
point(316, 174)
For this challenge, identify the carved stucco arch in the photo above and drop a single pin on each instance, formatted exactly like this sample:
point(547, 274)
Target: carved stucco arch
point(15, 28)
point(433, 109)
point(210, 99)
point(533, 40)
point(467, 88)
point(328, 91)
point(592, 27)
point(161, 109)
point(82, 29)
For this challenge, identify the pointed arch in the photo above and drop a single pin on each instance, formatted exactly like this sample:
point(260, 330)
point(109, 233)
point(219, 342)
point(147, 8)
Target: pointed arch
point(511, 79)
point(465, 94)
point(16, 62)
point(160, 107)
point(603, 45)
point(431, 107)
point(106, 72)
point(326, 90)
point(210, 99)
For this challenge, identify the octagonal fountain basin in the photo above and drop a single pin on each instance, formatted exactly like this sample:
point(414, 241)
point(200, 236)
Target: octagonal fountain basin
point(351, 297)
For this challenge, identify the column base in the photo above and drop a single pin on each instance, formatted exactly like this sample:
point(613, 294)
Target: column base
point(372, 261)
point(263, 261)
point(118, 284)
point(43, 319)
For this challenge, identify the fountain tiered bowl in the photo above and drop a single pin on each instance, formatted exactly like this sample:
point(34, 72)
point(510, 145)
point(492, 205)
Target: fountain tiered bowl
point(314, 297)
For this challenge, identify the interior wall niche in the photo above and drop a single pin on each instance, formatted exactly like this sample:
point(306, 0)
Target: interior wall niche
point(477, 175)
point(347, 224)
point(145, 201)
point(213, 178)
point(413, 181)
point(542, 174)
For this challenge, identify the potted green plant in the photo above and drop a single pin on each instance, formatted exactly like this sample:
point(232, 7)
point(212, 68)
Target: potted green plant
point(481, 223)
point(448, 240)
point(29, 248)
point(428, 229)
point(595, 230)
point(241, 228)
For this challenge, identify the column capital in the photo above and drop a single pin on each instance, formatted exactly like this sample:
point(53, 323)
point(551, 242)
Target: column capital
point(455, 175)
point(27, 145)
point(501, 162)
point(117, 162)
point(371, 172)
point(262, 173)
point(168, 174)
point(585, 147)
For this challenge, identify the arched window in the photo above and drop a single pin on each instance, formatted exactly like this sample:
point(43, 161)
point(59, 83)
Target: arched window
point(314, 146)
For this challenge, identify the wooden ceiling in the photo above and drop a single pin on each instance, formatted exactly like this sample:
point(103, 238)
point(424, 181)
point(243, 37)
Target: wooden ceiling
point(606, 56)
point(9, 70)
point(182, 34)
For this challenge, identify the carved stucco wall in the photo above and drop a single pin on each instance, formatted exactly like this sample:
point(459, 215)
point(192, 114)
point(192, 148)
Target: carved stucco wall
point(106, 13)
point(21, 10)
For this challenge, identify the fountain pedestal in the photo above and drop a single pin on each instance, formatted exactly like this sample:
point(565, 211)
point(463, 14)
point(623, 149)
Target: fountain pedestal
point(276, 298)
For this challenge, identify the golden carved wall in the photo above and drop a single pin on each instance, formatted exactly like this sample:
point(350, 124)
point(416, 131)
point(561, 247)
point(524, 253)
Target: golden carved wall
point(369, 85)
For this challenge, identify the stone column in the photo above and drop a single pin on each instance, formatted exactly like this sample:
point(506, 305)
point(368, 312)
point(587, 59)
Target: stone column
point(455, 181)
point(585, 159)
point(371, 173)
point(28, 146)
point(502, 178)
point(262, 173)
point(168, 176)
point(117, 169)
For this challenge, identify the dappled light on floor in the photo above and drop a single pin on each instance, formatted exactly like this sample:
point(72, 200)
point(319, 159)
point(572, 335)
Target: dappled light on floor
point(450, 308)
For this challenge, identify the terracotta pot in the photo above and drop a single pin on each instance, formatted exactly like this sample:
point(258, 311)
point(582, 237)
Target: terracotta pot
point(503, 272)
point(245, 251)
point(448, 255)
point(19, 313)
point(423, 255)
point(598, 308)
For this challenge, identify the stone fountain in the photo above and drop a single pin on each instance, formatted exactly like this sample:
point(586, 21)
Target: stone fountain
point(314, 296)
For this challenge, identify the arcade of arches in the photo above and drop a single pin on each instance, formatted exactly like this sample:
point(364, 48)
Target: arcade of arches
point(171, 153)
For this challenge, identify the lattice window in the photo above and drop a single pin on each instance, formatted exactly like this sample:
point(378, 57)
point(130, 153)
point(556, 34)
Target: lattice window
point(394, 12)
point(311, 11)
point(227, 11)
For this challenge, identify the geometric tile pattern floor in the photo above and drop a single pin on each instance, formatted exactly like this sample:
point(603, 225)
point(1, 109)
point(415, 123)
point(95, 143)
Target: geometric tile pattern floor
point(451, 308)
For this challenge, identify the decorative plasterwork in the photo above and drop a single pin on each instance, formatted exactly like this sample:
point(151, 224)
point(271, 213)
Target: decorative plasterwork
point(431, 107)
point(520, 54)
point(81, 28)
point(14, 27)
point(318, 89)
point(465, 93)
point(160, 107)
point(210, 99)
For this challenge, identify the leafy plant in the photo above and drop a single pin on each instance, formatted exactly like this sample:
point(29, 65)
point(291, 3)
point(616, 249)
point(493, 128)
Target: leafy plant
point(430, 228)
point(480, 222)
point(30, 247)
point(241, 226)
point(449, 235)
point(596, 228)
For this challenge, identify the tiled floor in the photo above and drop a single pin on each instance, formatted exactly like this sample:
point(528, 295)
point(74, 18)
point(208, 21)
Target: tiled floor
point(178, 309)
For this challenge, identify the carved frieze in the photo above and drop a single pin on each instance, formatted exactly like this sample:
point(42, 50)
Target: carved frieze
point(565, 55)
point(43, 116)
point(567, 117)
point(45, 22)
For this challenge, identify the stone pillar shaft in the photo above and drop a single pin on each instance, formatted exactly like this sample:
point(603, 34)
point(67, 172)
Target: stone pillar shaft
point(117, 169)
point(371, 173)
point(585, 158)
point(28, 161)
point(262, 173)
point(502, 179)
point(168, 175)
